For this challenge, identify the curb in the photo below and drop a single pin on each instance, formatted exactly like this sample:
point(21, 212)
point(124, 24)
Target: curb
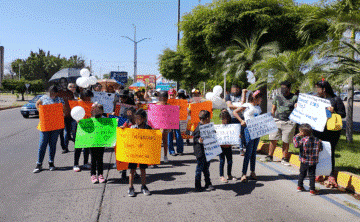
point(10, 107)
point(346, 180)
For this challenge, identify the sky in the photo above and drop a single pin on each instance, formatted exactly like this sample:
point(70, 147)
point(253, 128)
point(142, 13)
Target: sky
point(93, 29)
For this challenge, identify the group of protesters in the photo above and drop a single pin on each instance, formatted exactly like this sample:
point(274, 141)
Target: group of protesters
point(240, 109)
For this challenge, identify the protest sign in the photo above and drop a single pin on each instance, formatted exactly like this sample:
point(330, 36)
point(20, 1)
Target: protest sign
point(183, 125)
point(83, 104)
point(195, 109)
point(183, 107)
point(261, 125)
point(324, 165)
point(228, 134)
point(138, 146)
point(208, 134)
point(105, 99)
point(163, 116)
point(121, 107)
point(96, 132)
point(121, 120)
point(311, 110)
point(51, 117)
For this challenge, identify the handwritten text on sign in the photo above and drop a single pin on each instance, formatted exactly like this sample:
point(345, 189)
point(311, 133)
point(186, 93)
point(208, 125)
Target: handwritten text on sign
point(105, 99)
point(228, 134)
point(208, 134)
point(261, 125)
point(163, 116)
point(138, 146)
point(96, 132)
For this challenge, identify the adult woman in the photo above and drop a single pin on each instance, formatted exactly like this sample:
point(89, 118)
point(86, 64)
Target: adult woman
point(325, 91)
point(179, 140)
point(50, 137)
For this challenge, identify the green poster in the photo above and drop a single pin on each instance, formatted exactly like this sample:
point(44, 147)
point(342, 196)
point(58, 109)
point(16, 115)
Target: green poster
point(94, 132)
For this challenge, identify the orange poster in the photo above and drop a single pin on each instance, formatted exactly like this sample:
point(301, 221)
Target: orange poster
point(195, 109)
point(183, 107)
point(83, 104)
point(51, 117)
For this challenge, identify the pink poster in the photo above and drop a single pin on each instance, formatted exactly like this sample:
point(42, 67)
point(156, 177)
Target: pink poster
point(163, 116)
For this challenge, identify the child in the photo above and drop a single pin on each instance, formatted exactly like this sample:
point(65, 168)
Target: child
point(163, 98)
point(140, 123)
point(97, 153)
point(199, 151)
point(178, 137)
point(251, 110)
point(226, 151)
point(310, 147)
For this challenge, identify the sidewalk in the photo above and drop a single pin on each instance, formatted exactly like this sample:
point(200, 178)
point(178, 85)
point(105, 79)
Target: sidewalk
point(11, 100)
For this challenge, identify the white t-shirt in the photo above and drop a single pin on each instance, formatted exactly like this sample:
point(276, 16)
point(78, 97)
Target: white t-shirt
point(251, 111)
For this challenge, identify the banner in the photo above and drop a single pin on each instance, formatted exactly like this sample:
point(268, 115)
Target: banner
point(83, 104)
point(105, 99)
point(208, 134)
point(228, 134)
point(324, 165)
point(195, 109)
point(166, 86)
point(163, 116)
point(138, 146)
point(183, 107)
point(148, 80)
point(96, 132)
point(121, 107)
point(311, 110)
point(261, 125)
point(121, 120)
point(119, 77)
point(51, 117)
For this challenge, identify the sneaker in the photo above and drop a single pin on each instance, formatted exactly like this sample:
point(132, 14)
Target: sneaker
point(301, 189)
point(314, 192)
point(65, 151)
point(209, 187)
point(267, 159)
point(173, 154)
point(285, 162)
point(145, 191)
point(242, 152)
point(76, 168)
point(94, 179)
point(253, 176)
point(232, 178)
point(101, 179)
point(131, 192)
point(38, 168)
point(51, 166)
point(87, 166)
point(243, 179)
point(166, 159)
point(223, 179)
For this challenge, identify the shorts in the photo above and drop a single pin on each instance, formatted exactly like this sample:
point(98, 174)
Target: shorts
point(133, 166)
point(286, 130)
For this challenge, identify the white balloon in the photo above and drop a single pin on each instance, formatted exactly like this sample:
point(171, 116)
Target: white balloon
point(92, 80)
point(83, 82)
point(84, 72)
point(217, 90)
point(78, 81)
point(218, 103)
point(209, 95)
point(77, 113)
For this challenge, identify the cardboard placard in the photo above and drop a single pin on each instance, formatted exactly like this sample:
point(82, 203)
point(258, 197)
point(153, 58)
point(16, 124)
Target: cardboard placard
point(121, 120)
point(228, 134)
point(324, 165)
point(208, 134)
point(121, 107)
point(163, 116)
point(261, 125)
point(51, 117)
point(195, 109)
point(83, 104)
point(96, 132)
point(183, 107)
point(105, 99)
point(138, 146)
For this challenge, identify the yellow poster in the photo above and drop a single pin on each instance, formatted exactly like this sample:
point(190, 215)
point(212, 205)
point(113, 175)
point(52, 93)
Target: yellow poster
point(138, 146)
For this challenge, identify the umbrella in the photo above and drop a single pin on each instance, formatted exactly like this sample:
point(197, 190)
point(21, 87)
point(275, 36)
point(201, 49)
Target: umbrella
point(137, 85)
point(70, 73)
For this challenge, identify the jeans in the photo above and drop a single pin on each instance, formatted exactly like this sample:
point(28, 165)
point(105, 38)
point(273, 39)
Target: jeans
point(64, 139)
point(226, 152)
point(250, 154)
point(179, 142)
point(242, 138)
point(202, 166)
point(97, 160)
point(304, 168)
point(47, 138)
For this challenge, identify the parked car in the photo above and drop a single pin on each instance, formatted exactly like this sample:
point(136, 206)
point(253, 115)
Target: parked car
point(29, 108)
point(356, 96)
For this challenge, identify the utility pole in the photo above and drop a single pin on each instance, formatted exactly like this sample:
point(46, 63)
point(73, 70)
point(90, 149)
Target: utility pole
point(135, 50)
point(19, 71)
point(90, 66)
point(178, 34)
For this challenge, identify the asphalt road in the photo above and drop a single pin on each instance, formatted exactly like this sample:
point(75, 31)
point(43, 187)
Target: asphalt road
point(64, 195)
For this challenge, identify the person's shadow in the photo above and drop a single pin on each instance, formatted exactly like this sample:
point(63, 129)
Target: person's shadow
point(150, 178)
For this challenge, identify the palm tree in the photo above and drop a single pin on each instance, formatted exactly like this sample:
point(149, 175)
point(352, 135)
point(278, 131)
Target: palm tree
point(339, 16)
point(241, 56)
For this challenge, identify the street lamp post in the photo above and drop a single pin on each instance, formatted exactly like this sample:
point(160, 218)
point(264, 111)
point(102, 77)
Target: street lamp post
point(135, 50)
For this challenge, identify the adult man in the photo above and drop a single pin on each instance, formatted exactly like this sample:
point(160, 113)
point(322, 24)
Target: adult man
point(283, 105)
point(66, 95)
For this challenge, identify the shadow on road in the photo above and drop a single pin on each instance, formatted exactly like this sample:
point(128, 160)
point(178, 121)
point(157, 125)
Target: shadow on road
point(240, 188)
point(150, 178)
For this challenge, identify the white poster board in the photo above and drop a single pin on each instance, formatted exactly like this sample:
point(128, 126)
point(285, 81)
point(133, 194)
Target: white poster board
point(261, 125)
point(311, 110)
point(105, 99)
point(324, 165)
point(208, 134)
point(228, 134)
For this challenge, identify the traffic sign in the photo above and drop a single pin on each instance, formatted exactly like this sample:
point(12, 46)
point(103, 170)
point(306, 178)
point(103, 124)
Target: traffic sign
point(120, 77)
point(27, 85)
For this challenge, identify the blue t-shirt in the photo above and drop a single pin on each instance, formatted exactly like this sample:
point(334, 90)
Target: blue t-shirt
point(46, 100)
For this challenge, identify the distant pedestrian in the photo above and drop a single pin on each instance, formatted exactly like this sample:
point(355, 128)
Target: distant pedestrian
point(163, 98)
point(310, 147)
point(178, 137)
point(199, 151)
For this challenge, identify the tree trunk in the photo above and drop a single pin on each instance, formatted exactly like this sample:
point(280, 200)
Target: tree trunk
point(349, 113)
point(22, 96)
point(263, 104)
